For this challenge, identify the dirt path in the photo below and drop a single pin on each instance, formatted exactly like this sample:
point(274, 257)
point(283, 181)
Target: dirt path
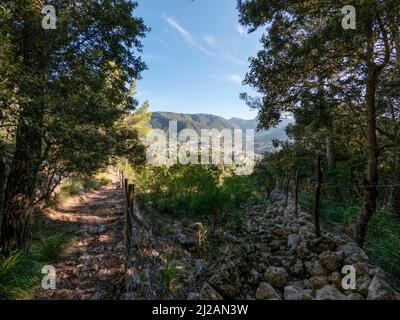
point(94, 262)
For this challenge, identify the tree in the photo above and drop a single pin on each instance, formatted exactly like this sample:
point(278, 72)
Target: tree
point(307, 53)
point(71, 89)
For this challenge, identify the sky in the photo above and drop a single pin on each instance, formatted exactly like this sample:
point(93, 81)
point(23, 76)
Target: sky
point(197, 55)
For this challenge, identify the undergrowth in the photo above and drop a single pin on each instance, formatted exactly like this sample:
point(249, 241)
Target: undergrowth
point(20, 271)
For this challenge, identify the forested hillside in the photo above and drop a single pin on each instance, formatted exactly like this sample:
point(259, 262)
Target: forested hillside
point(85, 214)
point(263, 138)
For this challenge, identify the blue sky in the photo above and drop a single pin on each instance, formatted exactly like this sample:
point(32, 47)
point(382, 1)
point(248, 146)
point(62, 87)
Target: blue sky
point(197, 57)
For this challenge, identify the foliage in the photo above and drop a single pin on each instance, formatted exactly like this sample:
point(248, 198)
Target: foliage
point(172, 274)
point(206, 191)
point(75, 186)
point(20, 271)
point(49, 249)
point(19, 274)
point(63, 95)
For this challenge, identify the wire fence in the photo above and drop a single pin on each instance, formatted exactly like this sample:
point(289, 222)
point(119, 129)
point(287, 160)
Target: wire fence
point(340, 206)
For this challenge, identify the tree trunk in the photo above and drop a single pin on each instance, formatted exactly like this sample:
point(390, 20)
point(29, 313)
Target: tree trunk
point(330, 153)
point(396, 188)
point(318, 197)
point(287, 184)
point(21, 184)
point(3, 181)
point(371, 181)
point(296, 193)
point(20, 189)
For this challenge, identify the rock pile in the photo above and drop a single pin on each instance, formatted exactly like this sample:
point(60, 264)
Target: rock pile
point(281, 258)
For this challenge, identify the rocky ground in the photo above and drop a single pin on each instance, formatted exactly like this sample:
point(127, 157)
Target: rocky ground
point(273, 255)
point(94, 262)
point(281, 258)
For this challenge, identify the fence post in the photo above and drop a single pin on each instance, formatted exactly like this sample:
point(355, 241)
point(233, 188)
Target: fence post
point(3, 181)
point(296, 193)
point(281, 182)
point(287, 188)
point(318, 197)
point(121, 179)
point(128, 230)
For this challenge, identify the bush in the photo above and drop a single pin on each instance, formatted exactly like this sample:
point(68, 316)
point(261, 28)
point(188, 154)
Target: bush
point(50, 249)
point(20, 271)
point(19, 274)
point(71, 187)
point(205, 191)
point(78, 185)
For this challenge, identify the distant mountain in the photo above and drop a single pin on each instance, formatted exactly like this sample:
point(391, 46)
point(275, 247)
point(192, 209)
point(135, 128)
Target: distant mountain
point(245, 124)
point(160, 120)
point(263, 139)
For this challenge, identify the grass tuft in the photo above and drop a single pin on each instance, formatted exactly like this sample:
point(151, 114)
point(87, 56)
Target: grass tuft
point(20, 271)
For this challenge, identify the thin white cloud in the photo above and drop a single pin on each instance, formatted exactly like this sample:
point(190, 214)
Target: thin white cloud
point(242, 31)
point(210, 40)
point(186, 35)
point(232, 78)
point(156, 58)
point(162, 42)
point(228, 56)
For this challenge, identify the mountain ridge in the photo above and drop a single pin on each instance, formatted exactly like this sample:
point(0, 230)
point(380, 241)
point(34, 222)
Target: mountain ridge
point(197, 121)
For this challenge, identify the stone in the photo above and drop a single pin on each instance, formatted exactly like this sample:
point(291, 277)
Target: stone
point(295, 293)
point(303, 252)
point(329, 292)
point(255, 276)
point(276, 276)
point(200, 266)
point(379, 290)
point(352, 253)
point(314, 268)
point(293, 240)
point(265, 256)
point(316, 282)
point(331, 260)
point(227, 280)
point(336, 279)
point(355, 296)
point(376, 271)
point(185, 240)
point(193, 296)
point(322, 244)
point(283, 231)
point(266, 292)
point(361, 269)
point(362, 284)
point(277, 245)
point(296, 268)
point(209, 293)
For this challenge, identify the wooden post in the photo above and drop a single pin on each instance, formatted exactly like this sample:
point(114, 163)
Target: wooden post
point(128, 224)
point(121, 180)
point(296, 193)
point(126, 184)
point(131, 195)
point(3, 181)
point(284, 179)
point(318, 197)
point(287, 188)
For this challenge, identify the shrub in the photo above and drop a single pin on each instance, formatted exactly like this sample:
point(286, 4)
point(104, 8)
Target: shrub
point(20, 271)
